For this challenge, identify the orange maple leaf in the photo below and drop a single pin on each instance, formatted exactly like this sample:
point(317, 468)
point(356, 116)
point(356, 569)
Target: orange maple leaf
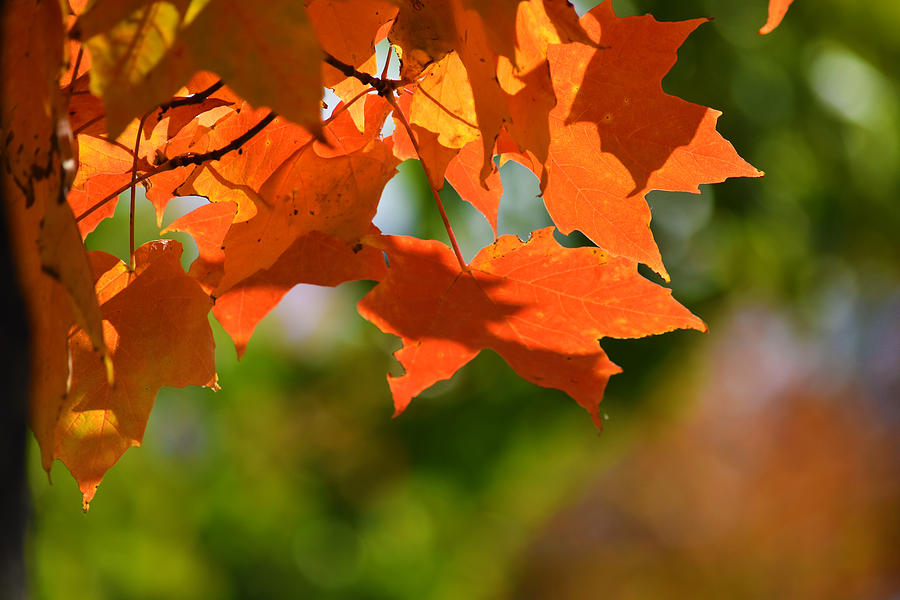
point(615, 135)
point(157, 332)
point(542, 307)
point(330, 187)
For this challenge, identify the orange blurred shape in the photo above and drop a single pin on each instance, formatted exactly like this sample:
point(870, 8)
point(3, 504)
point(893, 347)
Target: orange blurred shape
point(767, 490)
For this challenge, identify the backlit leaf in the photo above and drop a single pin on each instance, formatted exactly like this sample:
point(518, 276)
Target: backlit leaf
point(542, 307)
point(155, 326)
point(615, 135)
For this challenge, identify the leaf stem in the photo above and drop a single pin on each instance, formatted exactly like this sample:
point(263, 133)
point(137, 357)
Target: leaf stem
point(137, 146)
point(387, 62)
point(434, 192)
point(71, 85)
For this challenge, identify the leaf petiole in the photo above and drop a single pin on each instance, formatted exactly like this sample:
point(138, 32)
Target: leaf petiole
point(434, 192)
point(137, 146)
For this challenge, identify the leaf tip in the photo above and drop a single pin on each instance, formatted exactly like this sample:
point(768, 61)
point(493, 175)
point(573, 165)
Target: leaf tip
point(401, 400)
point(660, 270)
point(399, 407)
point(87, 494)
point(702, 326)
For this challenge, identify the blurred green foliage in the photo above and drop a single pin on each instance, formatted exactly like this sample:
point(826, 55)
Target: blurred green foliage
point(293, 480)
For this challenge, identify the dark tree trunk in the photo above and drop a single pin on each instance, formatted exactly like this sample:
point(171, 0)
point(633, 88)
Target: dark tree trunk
point(14, 376)
point(14, 369)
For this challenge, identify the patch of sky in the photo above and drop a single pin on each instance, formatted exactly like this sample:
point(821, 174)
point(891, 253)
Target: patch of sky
point(521, 206)
point(398, 211)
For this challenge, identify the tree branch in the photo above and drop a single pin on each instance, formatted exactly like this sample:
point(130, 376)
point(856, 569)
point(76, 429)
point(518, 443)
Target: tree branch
point(384, 87)
point(193, 98)
point(184, 160)
point(190, 158)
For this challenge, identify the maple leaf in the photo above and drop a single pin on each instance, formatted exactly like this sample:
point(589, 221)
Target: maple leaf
point(434, 156)
point(174, 131)
point(157, 332)
point(777, 10)
point(320, 187)
point(126, 40)
point(238, 176)
point(525, 78)
point(540, 306)
point(86, 113)
point(444, 103)
point(453, 48)
point(267, 52)
point(448, 44)
point(249, 264)
point(350, 88)
point(616, 135)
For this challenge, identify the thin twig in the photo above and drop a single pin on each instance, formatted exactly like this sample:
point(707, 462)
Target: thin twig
point(193, 98)
point(75, 73)
point(384, 87)
point(387, 62)
point(134, 164)
point(198, 159)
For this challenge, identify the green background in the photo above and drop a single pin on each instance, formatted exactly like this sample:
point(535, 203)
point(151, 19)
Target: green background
point(756, 461)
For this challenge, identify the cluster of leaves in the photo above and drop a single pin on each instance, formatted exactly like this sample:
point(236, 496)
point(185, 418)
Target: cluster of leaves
point(168, 94)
